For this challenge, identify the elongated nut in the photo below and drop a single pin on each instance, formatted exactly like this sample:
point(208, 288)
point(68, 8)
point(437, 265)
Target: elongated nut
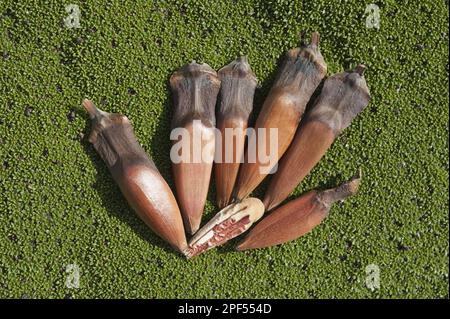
point(137, 176)
point(297, 217)
point(230, 222)
point(195, 88)
point(298, 78)
point(238, 83)
point(343, 97)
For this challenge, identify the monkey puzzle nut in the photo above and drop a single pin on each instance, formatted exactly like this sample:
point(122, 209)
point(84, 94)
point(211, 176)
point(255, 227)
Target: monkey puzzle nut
point(299, 76)
point(238, 83)
point(230, 222)
point(297, 217)
point(137, 176)
point(195, 88)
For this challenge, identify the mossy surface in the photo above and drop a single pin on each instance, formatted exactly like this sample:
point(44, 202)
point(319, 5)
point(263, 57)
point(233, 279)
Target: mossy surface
point(60, 206)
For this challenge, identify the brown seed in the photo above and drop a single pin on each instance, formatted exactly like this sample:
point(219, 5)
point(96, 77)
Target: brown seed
point(297, 217)
point(343, 97)
point(137, 176)
point(195, 88)
point(230, 222)
point(238, 83)
point(301, 73)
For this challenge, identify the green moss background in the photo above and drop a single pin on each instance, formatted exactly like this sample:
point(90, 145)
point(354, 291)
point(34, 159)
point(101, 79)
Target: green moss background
point(59, 205)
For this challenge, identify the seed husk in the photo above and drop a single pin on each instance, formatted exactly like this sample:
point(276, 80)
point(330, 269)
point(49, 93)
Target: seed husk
point(238, 83)
point(137, 176)
point(342, 98)
point(297, 217)
point(230, 222)
point(298, 78)
point(195, 88)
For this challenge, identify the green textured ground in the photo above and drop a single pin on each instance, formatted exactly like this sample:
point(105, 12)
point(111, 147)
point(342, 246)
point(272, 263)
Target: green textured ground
point(59, 205)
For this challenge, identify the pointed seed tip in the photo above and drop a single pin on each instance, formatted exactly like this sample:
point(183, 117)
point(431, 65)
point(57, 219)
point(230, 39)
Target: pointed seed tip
point(355, 182)
point(315, 38)
point(243, 58)
point(86, 103)
point(359, 175)
point(90, 107)
point(360, 68)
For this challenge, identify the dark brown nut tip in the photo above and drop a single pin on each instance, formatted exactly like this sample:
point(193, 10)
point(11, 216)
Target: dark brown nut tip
point(315, 39)
point(193, 69)
point(243, 59)
point(92, 110)
point(354, 183)
point(360, 68)
point(347, 189)
point(239, 68)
